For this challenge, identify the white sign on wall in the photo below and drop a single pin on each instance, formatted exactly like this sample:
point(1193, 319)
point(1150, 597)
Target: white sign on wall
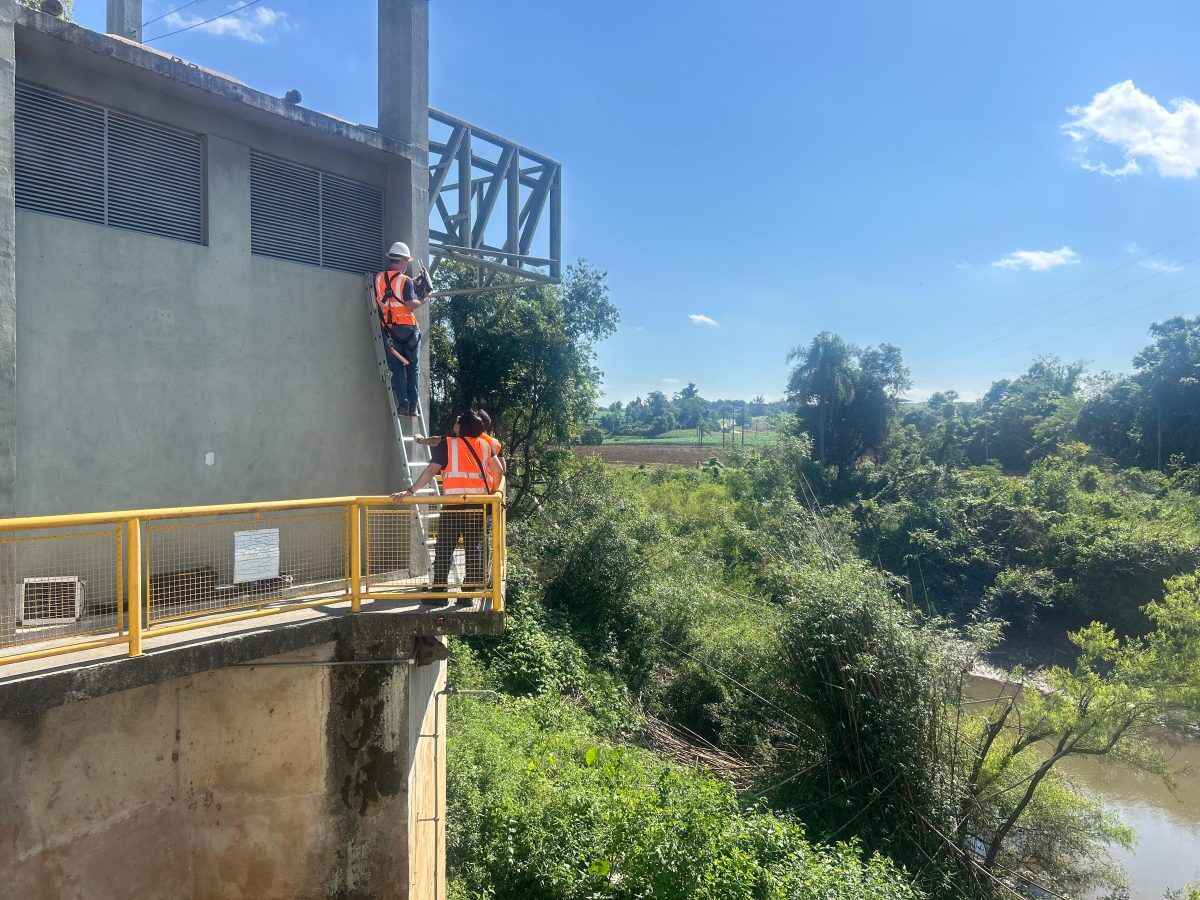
point(255, 555)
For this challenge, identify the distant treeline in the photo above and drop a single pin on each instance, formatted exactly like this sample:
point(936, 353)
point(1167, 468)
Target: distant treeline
point(848, 399)
point(660, 413)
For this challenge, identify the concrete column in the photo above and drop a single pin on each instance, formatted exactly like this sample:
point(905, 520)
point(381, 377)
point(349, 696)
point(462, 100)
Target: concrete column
point(8, 263)
point(125, 19)
point(404, 116)
point(427, 778)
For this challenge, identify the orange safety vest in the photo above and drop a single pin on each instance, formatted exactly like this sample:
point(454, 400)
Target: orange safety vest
point(463, 473)
point(496, 446)
point(389, 297)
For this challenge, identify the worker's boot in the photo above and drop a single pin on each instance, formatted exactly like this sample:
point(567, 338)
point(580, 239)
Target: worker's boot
point(403, 409)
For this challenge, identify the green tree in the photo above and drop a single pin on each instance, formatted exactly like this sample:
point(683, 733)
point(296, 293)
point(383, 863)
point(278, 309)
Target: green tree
point(1011, 413)
point(528, 357)
point(845, 396)
point(1152, 415)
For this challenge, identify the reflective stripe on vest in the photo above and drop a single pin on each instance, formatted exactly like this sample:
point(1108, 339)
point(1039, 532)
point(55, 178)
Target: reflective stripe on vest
point(392, 309)
point(462, 474)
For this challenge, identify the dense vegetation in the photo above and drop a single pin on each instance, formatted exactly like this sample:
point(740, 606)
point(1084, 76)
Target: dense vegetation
point(751, 679)
point(660, 414)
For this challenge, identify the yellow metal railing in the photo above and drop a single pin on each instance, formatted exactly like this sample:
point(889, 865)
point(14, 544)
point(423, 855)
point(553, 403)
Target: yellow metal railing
point(76, 582)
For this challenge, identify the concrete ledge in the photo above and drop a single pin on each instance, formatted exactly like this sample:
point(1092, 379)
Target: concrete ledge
point(35, 686)
point(213, 83)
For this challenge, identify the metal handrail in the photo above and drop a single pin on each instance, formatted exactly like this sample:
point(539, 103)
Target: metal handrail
point(132, 571)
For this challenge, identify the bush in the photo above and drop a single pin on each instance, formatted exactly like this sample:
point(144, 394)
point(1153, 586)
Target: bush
point(539, 810)
point(592, 436)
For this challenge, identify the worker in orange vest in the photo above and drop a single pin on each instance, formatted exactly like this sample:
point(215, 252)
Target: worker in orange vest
point(397, 298)
point(497, 447)
point(467, 466)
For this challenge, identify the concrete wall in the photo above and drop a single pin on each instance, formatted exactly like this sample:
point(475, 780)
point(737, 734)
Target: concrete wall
point(266, 782)
point(138, 355)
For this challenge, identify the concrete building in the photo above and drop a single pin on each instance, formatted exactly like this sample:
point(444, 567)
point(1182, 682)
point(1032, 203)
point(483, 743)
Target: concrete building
point(182, 323)
point(181, 256)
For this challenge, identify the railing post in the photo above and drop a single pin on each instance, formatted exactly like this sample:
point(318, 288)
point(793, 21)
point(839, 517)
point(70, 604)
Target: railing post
point(498, 545)
point(133, 591)
point(355, 557)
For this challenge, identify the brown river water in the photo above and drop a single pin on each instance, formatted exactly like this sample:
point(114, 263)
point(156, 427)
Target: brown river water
point(1167, 853)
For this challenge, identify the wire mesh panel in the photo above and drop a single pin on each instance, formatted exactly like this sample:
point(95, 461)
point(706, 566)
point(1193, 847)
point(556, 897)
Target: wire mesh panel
point(224, 562)
point(59, 583)
point(437, 548)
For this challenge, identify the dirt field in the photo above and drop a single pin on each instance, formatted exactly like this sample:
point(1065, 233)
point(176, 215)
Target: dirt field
point(650, 454)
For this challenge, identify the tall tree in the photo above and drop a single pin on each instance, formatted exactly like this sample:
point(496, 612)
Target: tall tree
point(1154, 414)
point(845, 396)
point(528, 357)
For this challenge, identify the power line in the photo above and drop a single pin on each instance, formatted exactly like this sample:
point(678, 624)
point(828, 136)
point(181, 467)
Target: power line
point(1069, 309)
point(1048, 300)
point(170, 11)
point(1056, 337)
point(229, 12)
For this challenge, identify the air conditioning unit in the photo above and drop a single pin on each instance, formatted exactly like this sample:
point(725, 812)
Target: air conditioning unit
point(56, 600)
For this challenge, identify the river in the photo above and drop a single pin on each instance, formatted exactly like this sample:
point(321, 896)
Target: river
point(1167, 853)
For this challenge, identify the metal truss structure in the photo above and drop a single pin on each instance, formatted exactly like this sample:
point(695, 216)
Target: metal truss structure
point(473, 172)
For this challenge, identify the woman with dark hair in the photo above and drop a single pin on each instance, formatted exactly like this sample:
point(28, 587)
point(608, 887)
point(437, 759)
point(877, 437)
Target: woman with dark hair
point(467, 466)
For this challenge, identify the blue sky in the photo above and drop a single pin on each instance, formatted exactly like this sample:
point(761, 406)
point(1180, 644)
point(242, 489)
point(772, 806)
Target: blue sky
point(911, 173)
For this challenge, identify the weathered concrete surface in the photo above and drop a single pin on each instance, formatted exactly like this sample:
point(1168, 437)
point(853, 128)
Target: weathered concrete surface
point(124, 19)
point(252, 782)
point(403, 86)
point(8, 262)
point(141, 355)
point(230, 95)
point(32, 688)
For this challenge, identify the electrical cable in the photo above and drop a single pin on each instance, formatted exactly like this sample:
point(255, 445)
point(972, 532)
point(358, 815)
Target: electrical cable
point(1064, 312)
point(229, 12)
point(1077, 287)
point(170, 11)
point(1064, 334)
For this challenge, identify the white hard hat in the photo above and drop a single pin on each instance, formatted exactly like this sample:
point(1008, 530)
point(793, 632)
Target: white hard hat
point(398, 250)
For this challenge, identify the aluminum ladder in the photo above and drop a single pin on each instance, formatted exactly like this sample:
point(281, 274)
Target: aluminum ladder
point(414, 457)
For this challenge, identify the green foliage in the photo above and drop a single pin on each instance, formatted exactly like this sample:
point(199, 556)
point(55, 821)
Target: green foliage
point(526, 356)
point(845, 396)
point(1153, 414)
point(592, 436)
point(541, 809)
point(1083, 538)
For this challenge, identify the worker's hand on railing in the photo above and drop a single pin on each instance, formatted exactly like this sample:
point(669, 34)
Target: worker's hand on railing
point(400, 495)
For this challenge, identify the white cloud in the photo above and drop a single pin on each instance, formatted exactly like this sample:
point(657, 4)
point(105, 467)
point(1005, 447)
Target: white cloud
point(1038, 260)
point(1132, 247)
point(671, 381)
point(1161, 265)
point(1141, 128)
point(959, 264)
point(253, 25)
point(700, 319)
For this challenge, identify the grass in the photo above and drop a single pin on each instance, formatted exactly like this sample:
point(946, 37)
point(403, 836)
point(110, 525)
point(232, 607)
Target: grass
point(687, 437)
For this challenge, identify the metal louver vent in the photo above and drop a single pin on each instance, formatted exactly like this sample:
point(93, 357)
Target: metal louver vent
point(285, 210)
point(155, 178)
point(304, 215)
point(351, 224)
point(86, 162)
point(49, 601)
point(59, 155)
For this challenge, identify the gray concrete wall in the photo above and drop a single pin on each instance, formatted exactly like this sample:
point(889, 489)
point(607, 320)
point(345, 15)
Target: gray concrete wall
point(8, 268)
point(139, 355)
point(262, 783)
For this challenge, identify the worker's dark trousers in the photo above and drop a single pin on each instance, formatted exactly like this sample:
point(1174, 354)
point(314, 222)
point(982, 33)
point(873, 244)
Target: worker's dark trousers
point(467, 524)
point(407, 341)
